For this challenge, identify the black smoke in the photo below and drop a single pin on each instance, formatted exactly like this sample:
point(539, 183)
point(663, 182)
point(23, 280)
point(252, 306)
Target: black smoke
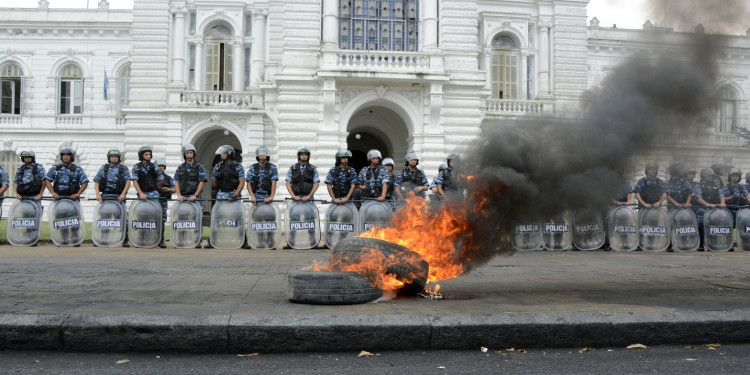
point(717, 16)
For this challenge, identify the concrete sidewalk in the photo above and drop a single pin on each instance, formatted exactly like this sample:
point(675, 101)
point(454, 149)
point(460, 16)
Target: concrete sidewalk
point(233, 301)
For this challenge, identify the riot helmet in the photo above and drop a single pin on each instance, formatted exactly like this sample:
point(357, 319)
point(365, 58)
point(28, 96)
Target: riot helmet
point(226, 150)
point(651, 166)
point(114, 152)
point(263, 151)
point(143, 150)
point(160, 161)
point(189, 147)
point(340, 154)
point(734, 171)
point(443, 167)
point(374, 154)
point(28, 154)
point(411, 156)
point(388, 161)
point(303, 150)
point(676, 169)
point(69, 151)
point(705, 172)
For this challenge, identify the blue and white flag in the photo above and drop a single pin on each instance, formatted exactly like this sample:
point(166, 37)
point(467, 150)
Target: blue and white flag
point(106, 85)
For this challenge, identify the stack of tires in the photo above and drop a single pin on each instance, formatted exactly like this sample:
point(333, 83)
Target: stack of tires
point(335, 287)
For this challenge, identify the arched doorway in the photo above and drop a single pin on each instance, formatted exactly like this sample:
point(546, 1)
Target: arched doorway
point(380, 128)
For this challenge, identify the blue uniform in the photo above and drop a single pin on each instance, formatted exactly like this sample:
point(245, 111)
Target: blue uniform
point(341, 180)
point(215, 173)
point(378, 176)
point(679, 188)
point(650, 189)
point(68, 182)
point(3, 182)
point(114, 178)
point(264, 175)
point(159, 177)
point(622, 194)
point(202, 176)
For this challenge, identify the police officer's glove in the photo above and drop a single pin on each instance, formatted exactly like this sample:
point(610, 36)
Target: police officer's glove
point(231, 196)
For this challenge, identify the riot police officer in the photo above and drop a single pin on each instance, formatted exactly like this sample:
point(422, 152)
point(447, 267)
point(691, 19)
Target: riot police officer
point(447, 181)
point(649, 190)
point(679, 189)
point(29, 180)
point(389, 196)
point(228, 178)
point(165, 192)
point(341, 179)
point(4, 184)
point(373, 179)
point(190, 178)
point(709, 194)
point(735, 194)
point(112, 181)
point(262, 176)
point(411, 178)
point(66, 180)
point(147, 179)
point(302, 179)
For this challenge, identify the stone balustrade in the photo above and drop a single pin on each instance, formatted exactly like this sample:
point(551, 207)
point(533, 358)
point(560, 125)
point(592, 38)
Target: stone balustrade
point(226, 99)
point(11, 120)
point(68, 120)
point(382, 60)
point(503, 107)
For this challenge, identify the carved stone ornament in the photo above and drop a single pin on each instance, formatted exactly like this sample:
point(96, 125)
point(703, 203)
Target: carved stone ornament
point(178, 10)
point(215, 118)
point(69, 52)
point(260, 11)
point(380, 91)
point(103, 4)
point(346, 95)
point(43, 4)
point(594, 22)
point(506, 24)
point(7, 144)
point(544, 24)
point(219, 11)
point(9, 52)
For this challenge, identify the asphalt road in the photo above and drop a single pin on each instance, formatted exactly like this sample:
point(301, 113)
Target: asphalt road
point(683, 359)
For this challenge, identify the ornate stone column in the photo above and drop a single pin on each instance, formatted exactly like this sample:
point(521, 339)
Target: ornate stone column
point(199, 73)
point(430, 22)
point(238, 68)
point(178, 44)
point(258, 69)
point(544, 53)
point(330, 24)
point(524, 75)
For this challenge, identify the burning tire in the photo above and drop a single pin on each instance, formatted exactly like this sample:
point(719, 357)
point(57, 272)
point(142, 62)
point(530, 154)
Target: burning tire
point(408, 267)
point(330, 288)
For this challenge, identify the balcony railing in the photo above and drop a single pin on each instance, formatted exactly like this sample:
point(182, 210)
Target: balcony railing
point(222, 99)
point(11, 120)
point(513, 107)
point(382, 61)
point(68, 120)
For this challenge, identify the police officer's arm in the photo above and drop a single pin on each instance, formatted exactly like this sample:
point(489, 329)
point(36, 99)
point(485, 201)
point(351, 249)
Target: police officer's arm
point(674, 201)
point(273, 191)
point(663, 197)
point(703, 202)
point(350, 193)
point(312, 192)
point(15, 188)
point(80, 191)
point(48, 184)
point(291, 191)
point(640, 199)
point(723, 201)
point(240, 186)
point(177, 191)
point(330, 192)
point(384, 193)
point(3, 189)
point(397, 189)
point(249, 186)
point(137, 186)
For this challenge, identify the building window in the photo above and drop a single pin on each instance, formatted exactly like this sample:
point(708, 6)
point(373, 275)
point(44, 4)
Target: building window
point(248, 66)
point(218, 47)
point(11, 162)
point(123, 88)
point(71, 90)
point(11, 79)
point(504, 69)
point(386, 25)
point(726, 110)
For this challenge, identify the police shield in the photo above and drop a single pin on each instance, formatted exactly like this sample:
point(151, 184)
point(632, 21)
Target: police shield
point(24, 223)
point(684, 224)
point(588, 230)
point(654, 229)
point(556, 233)
point(187, 224)
point(743, 229)
point(303, 230)
point(374, 214)
point(228, 224)
point(110, 224)
point(342, 222)
point(717, 229)
point(145, 227)
point(622, 228)
point(66, 227)
point(264, 226)
point(527, 236)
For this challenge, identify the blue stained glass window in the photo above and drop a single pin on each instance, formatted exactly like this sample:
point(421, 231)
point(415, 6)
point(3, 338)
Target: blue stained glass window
point(385, 25)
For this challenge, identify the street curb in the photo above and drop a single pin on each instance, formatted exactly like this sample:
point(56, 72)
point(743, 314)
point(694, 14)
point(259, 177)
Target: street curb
point(317, 333)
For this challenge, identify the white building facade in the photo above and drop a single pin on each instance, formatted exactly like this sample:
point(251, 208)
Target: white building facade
point(396, 75)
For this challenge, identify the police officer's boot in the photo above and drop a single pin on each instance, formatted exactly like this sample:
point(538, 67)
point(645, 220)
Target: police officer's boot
point(246, 245)
point(125, 242)
point(161, 242)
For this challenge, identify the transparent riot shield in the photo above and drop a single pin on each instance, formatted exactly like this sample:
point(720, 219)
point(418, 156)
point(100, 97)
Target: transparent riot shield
point(622, 228)
point(743, 229)
point(684, 224)
point(186, 225)
point(303, 228)
point(374, 214)
point(24, 223)
point(145, 227)
point(654, 228)
point(556, 233)
point(228, 224)
point(343, 222)
point(717, 230)
point(588, 230)
point(110, 224)
point(527, 236)
point(66, 226)
point(263, 226)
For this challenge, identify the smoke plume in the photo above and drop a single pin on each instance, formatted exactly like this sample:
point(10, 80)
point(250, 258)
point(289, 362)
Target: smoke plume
point(717, 16)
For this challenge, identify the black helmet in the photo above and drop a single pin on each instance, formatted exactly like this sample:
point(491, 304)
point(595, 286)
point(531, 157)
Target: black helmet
point(226, 150)
point(114, 152)
point(342, 154)
point(443, 167)
point(411, 156)
point(263, 151)
point(188, 147)
point(453, 157)
point(734, 171)
point(28, 154)
point(143, 150)
point(676, 169)
point(705, 172)
point(303, 150)
point(650, 166)
point(69, 151)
